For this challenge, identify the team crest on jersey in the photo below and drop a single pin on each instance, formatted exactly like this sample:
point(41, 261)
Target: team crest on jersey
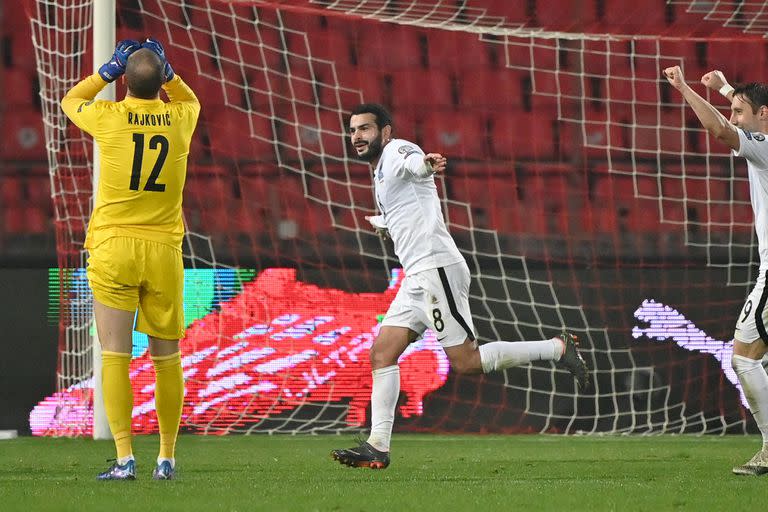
point(759, 137)
point(407, 150)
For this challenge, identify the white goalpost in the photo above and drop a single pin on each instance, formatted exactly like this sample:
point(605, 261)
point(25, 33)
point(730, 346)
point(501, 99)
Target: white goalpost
point(104, 18)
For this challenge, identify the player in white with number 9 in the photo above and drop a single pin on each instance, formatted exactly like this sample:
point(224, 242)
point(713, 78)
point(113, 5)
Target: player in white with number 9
point(135, 233)
point(435, 291)
point(744, 133)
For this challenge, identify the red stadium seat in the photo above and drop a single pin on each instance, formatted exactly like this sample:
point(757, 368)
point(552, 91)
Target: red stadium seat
point(550, 184)
point(624, 218)
point(233, 88)
point(37, 220)
point(471, 190)
point(570, 16)
point(738, 218)
point(687, 53)
point(337, 47)
point(532, 217)
point(614, 188)
point(207, 186)
point(257, 191)
point(209, 200)
point(656, 131)
point(720, 55)
point(262, 52)
point(483, 184)
point(311, 217)
point(740, 191)
point(454, 51)
point(24, 138)
point(600, 133)
point(454, 134)
point(630, 16)
point(39, 188)
point(341, 192)
point(701, 190)
point(202, 54)
point(303, 22)
point(518, 134)
point(310, 133)
point(390, 47)
point(12, 191)
point(237, 135)
point(508, 219)
point(419, 89)
point(17, 88)
point(14, 219)
point(370, 84)
point(491, 89)
point(22, 50)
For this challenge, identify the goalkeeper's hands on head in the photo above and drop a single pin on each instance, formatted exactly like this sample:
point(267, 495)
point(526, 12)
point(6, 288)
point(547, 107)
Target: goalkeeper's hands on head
point(155, 46)
point(115, 67)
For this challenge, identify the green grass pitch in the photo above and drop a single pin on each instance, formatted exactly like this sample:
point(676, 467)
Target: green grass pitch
point(428, 472)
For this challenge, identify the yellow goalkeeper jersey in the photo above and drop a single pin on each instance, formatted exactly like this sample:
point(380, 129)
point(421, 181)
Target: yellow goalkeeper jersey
point(143, 150)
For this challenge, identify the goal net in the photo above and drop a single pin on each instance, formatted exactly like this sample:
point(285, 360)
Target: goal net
point(581, 190)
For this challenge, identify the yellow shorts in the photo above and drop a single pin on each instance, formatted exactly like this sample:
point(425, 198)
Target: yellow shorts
point(129, 273)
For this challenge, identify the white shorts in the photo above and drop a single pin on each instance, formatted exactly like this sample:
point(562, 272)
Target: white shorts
point(752, 318)
point(436, 299)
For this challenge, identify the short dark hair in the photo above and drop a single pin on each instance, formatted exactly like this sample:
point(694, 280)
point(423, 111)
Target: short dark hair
point(383, 118)
point(144, 74)
point(755, 93)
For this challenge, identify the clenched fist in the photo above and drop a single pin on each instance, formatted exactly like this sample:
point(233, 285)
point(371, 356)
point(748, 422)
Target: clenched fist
point(675, 77)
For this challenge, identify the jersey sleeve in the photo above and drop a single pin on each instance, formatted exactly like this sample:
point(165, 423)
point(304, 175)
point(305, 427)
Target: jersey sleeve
point(408, 161)
point(753, 147)
point(79, 105)
point(181, 96)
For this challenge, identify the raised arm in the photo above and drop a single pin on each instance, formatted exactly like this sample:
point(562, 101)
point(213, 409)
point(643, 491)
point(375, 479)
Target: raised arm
point(75, 102)
point(716, 81)
point(422, 166)
point(711, 118)
point(81, 96)
point(178, 91)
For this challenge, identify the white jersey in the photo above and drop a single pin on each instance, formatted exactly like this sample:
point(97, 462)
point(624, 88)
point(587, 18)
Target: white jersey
point(754, 147)
point(411, 209)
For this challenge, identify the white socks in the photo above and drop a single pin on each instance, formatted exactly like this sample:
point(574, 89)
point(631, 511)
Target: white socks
point(124, 460)
point(754, 382)
point(505, 354)
point(384, 395)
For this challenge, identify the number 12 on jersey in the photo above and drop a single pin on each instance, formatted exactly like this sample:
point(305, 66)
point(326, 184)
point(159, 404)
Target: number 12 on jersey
point(138, 156)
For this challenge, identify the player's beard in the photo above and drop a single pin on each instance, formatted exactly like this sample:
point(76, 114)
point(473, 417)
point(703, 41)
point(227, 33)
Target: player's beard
point(374, 150)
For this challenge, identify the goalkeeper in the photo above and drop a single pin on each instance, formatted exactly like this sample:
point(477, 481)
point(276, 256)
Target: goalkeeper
point(745, 134)
point(435, 291)
point(135, 233)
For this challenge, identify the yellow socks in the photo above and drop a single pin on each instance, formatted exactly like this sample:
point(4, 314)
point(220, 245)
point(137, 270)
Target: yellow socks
point(169, 400)
point(118, 399)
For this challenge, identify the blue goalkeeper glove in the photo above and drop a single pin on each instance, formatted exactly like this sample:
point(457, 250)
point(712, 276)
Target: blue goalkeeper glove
point(155, 46)
point(115, 68)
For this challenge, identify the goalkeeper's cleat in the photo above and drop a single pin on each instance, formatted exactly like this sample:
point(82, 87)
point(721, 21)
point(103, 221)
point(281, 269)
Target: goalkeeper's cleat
point(164, 471)
point(362, 456)
point(756, 466)
point(117, 471)
point(572, 360)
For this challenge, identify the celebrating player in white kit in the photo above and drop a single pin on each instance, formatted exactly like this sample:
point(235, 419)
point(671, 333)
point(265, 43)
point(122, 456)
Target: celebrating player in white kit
point(435, 291)
point(744, 133)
